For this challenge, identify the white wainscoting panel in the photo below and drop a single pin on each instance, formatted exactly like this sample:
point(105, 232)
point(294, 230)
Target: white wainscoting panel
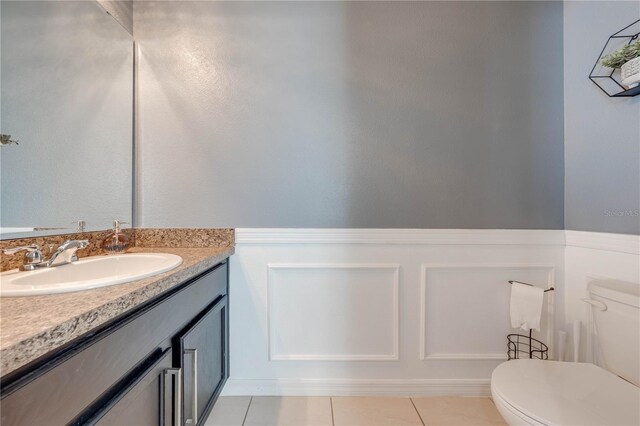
point(378, 311)
point(333, 312)
point(464, 308)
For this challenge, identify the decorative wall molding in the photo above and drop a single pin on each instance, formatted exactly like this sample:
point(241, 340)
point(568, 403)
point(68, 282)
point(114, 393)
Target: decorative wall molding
point(349, 368)
point(358, 387)
point(400, 236)
point(395, 283)
point(624, 243)
point(426, 267)
point(597, 240)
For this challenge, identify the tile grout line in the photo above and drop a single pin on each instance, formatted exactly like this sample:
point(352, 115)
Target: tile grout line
point(416, 408)
point(246, 413)
point(333, 420)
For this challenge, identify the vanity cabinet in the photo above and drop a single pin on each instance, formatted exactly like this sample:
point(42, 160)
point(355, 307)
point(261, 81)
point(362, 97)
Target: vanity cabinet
point(203, 360)
point(149, 400)
point(163, 363)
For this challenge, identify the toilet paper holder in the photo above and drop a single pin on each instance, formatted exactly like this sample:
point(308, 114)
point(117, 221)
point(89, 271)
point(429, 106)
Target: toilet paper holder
point(521, 282)
point(530, 346)
point(522, 344)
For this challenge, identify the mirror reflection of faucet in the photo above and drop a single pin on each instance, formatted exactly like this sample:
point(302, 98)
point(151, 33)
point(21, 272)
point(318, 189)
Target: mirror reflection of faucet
point(81, 225)
point(33, 258)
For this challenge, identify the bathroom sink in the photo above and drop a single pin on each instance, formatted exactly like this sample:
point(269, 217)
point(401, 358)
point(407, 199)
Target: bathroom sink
point(88, 273)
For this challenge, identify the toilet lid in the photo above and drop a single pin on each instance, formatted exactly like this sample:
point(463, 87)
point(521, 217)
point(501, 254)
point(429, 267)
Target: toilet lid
point(565, 393)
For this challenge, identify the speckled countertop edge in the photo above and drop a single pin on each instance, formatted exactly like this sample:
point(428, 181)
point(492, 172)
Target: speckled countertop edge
point(33, 326)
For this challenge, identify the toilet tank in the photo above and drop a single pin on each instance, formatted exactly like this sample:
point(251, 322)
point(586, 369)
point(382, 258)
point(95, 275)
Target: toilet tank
point(616, 327)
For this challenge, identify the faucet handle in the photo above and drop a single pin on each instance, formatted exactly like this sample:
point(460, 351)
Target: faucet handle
point(29, 249)
point(33, 254)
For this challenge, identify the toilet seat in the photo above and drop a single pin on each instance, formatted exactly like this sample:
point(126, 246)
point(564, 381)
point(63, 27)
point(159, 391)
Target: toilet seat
point(561, 393)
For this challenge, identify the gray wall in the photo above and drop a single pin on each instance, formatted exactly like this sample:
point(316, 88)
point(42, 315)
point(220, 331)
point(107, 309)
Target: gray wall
point(350, 114)
point(602, 135)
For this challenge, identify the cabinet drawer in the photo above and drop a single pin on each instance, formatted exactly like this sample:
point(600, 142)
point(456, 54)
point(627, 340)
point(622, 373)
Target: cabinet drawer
point(147, 399)
point(203, 348)
point(76, 379)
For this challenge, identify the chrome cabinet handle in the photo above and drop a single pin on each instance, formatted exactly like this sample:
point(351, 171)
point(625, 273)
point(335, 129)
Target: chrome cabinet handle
point(171, 376)
point(194, 387)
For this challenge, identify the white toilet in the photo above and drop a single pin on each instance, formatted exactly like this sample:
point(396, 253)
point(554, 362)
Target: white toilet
point(535, 392)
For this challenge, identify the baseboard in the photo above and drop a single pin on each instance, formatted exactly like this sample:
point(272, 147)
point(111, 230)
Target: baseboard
point(357, 387)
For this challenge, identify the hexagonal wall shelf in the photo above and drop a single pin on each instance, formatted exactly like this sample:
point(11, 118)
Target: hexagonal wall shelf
point(607, 79)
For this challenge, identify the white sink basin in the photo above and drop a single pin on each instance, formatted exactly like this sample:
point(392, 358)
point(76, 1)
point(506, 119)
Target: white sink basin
point(87, 273)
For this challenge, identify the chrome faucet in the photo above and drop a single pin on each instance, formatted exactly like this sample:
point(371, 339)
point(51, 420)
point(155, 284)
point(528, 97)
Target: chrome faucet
point(33, 259)
point(66, 252)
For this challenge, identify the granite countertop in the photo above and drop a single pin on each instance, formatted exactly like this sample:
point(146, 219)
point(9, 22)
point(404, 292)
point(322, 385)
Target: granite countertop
point(31, 326)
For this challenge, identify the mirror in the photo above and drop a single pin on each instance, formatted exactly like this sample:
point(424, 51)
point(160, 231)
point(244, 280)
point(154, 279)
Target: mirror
point(67, 103)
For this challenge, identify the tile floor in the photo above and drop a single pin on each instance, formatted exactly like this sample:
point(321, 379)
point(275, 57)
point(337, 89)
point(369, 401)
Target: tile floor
point(353, 411)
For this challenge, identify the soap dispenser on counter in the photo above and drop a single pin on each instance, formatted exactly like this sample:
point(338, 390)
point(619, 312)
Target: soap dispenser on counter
point(117, 242)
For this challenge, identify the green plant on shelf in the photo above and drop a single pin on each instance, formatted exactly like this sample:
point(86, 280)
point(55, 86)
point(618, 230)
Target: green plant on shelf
point(6, 140)
point(622, 56)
